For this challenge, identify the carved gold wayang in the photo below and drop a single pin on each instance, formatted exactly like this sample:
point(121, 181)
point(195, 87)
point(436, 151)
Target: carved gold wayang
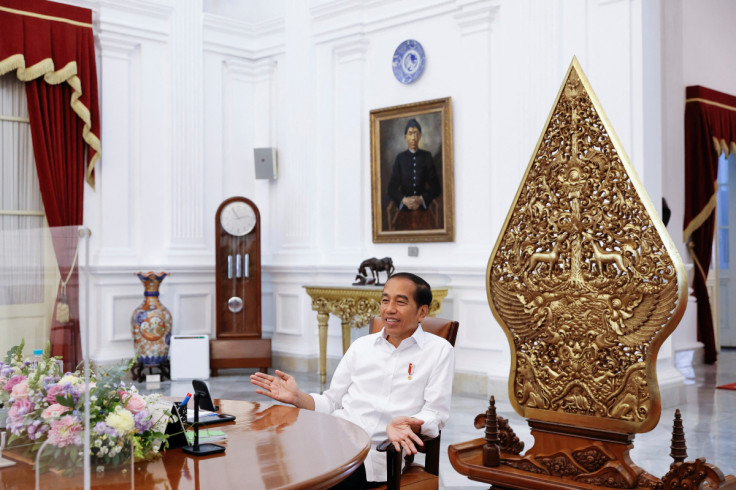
point(587, 285)
point(584, 278)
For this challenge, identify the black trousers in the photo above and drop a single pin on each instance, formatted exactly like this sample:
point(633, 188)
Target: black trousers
point(357, 481)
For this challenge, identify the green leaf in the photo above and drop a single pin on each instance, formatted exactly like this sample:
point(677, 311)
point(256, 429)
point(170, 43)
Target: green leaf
point(65, 400)
point(15, 352)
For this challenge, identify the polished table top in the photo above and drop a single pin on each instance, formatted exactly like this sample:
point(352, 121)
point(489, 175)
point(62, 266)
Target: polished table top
point(268, 447)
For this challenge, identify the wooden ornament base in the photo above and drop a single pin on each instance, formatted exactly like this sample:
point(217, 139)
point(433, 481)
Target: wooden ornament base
point(568, 457)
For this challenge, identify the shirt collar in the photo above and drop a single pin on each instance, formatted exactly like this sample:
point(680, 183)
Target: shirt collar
point(418, 336)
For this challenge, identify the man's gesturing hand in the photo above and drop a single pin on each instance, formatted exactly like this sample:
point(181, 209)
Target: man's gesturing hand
point(283, 388)
point(402, 432)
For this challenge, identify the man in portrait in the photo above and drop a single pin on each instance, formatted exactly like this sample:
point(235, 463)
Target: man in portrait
point(414, 184)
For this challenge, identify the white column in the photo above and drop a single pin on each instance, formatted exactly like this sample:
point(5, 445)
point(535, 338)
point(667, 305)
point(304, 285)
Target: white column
point(187, 164)
point(472, 112)
point(349, 156)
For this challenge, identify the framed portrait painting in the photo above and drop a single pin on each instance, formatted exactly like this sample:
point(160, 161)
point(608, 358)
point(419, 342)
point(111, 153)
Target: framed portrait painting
point(411, 173)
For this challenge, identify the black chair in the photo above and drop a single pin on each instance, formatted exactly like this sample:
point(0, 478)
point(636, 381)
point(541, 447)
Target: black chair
point(416, 476)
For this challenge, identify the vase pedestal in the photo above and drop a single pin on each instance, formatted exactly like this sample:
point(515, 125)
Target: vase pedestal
point(138, 374)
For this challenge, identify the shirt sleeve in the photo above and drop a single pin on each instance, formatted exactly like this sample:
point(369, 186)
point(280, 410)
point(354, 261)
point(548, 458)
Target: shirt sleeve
point(438, 394)
point(331, 400)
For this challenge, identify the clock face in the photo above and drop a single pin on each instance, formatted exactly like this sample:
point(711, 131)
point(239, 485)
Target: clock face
point(238, 218)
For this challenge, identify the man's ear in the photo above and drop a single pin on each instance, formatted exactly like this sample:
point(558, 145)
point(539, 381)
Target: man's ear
point(423, 312)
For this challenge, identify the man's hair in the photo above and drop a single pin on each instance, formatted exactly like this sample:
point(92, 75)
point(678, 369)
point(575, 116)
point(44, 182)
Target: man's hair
point(422, 292)
point(413, 123)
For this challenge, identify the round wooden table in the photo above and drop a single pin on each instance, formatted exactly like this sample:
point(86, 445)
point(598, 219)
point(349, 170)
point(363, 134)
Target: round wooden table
point(268, 447)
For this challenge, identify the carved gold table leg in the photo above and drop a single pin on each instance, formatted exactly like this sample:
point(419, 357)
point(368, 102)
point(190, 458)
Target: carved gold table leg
point(345, 336)
point(322, 317)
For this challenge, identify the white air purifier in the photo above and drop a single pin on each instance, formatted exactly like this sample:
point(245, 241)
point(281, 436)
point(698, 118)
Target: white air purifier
point(190, 357)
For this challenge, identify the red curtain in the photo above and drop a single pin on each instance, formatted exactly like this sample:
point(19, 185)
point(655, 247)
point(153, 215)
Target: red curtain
point(710, 128)
point(51, 47)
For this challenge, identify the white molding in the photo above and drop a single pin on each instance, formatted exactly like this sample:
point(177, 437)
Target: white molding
point(112, 28)
point(476, 16)
point(156, 8)
point(240, 28)
point(249, 70)
point(117, 44)
point(352, 49)
point(344, 18)
point(236, 38)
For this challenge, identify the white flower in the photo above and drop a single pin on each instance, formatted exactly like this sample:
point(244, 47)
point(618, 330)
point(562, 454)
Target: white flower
point(69, 378)
point(121, 420)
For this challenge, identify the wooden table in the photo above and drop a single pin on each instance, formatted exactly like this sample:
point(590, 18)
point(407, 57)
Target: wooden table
point(354, 305)
point(268, 447)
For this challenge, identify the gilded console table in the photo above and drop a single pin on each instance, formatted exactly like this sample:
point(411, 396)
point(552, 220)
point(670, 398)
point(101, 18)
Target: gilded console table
point(354, 305)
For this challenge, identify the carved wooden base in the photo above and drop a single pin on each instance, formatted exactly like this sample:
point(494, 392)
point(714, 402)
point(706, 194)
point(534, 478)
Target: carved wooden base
point(138, 374)
point(567, 457)
point(240, 353)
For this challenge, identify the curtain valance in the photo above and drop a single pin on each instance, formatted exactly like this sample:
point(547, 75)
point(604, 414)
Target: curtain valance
point(710, 128)
point(43, 38)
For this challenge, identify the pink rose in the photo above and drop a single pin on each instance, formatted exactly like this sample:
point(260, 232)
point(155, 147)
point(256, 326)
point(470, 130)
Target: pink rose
point(65, 431)
point(52, 392)
point(135, 403)
point(17, 415)
point(54, 410)
point(20, 390)
point(13, 381)
point(21, 407)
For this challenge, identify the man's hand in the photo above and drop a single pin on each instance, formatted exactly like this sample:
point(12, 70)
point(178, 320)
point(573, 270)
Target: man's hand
point(412, 202)
point(282, 388)
point(402, 432)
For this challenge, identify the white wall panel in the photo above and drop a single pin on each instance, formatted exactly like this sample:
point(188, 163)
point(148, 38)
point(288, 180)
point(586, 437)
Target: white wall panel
point(121, 311)
point(349, 159)
point(121, 61)
point(287, 307)
point(193, 314)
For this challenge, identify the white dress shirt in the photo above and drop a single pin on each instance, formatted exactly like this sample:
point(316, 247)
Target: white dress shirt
point(372, 385)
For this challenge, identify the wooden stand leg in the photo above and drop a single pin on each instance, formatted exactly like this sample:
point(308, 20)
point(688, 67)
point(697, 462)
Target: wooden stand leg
point(322, 318)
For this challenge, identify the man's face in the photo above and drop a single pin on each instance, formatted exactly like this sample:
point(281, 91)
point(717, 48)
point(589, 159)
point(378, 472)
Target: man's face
point(412, 137)
point(399, 311)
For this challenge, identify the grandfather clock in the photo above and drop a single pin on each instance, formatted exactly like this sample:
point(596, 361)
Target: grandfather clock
point(238, 341)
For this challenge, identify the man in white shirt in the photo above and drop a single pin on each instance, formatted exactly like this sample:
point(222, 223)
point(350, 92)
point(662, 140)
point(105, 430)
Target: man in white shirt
point(395, 384)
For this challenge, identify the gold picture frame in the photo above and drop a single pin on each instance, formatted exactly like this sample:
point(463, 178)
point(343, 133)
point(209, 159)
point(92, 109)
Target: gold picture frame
point(428, 213)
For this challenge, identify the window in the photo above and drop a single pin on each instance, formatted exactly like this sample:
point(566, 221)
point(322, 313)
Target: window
point(722, 214)
point(22, 243)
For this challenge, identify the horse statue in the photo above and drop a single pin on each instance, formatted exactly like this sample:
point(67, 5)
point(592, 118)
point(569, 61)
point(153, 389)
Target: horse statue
point(375, 266)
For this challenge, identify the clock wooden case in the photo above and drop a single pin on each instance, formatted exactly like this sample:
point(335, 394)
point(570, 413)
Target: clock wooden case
point(238, 340)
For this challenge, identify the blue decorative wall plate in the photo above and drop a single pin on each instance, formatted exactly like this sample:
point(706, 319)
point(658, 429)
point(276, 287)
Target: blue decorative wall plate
point(408, 62)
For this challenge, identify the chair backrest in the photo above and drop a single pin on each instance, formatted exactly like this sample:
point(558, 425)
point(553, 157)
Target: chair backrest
point(447, 329)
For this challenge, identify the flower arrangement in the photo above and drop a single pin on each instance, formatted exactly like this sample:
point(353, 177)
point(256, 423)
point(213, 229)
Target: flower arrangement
point(46, 405)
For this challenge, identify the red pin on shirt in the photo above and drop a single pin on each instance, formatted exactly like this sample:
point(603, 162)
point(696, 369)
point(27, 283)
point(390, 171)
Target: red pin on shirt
point(411, 369)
